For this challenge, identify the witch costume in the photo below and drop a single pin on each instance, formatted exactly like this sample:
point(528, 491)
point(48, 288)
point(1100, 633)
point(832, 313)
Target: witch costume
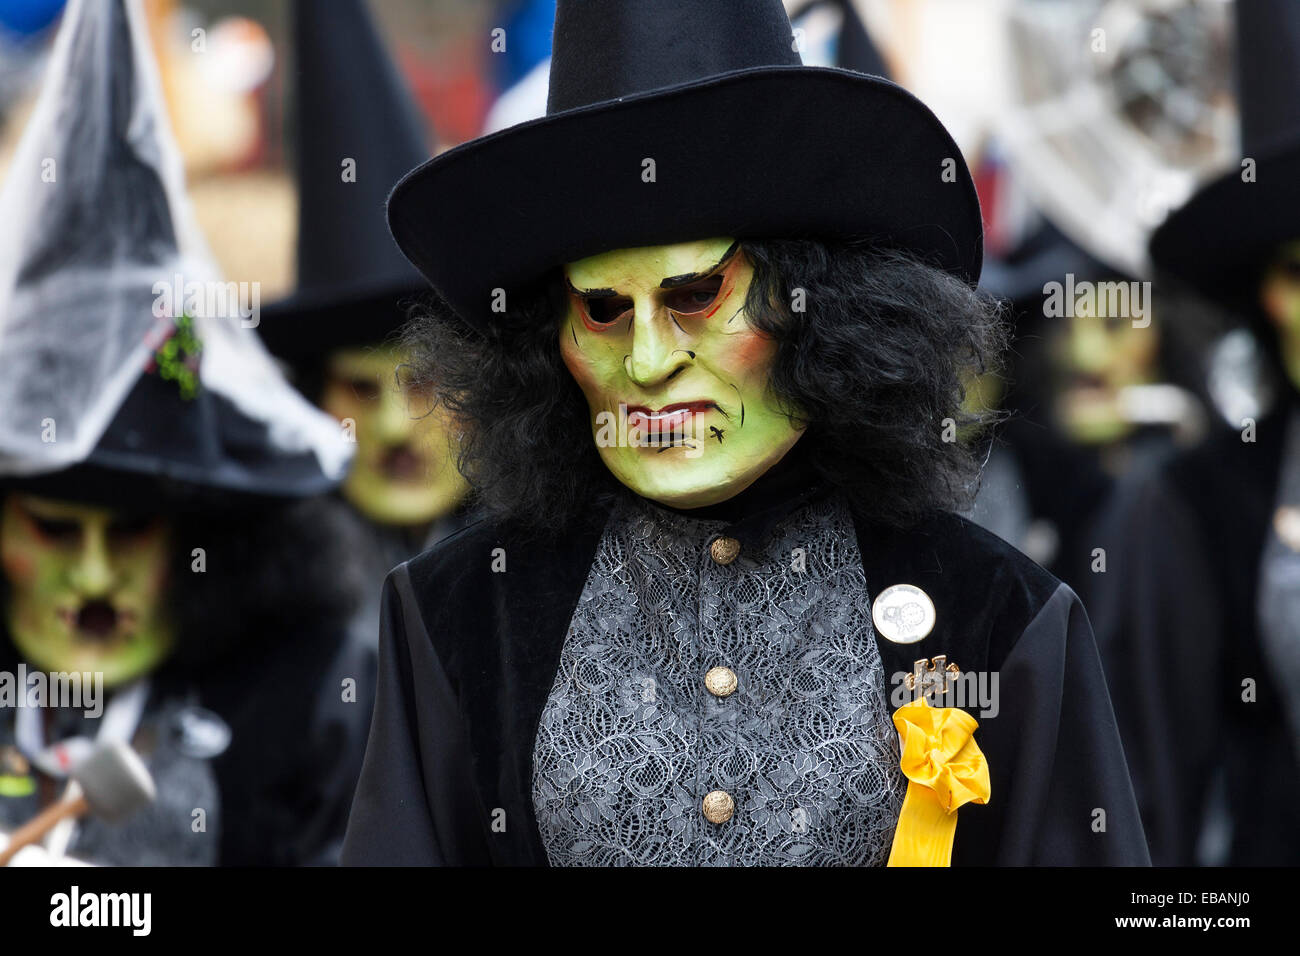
point(354, 286)
point(1045, 488)
point(720, 682)
point(158, 416)
point(1204, 594)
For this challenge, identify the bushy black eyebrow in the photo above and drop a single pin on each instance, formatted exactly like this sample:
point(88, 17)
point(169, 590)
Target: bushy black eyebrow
point(673, 282)
point(589, 293)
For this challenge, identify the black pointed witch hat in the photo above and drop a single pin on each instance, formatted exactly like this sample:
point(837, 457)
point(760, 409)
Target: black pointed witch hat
point(1222, 239)
point(671, 120)
point(854, 47)
point(107, 394)
point(352, 105)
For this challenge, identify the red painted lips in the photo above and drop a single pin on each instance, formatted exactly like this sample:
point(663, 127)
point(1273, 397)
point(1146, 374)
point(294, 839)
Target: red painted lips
point(670, 419)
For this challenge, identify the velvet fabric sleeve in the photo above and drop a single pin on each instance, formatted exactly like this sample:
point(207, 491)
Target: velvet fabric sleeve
point(1047, 728)
point(415, 802)
point(1055, 748)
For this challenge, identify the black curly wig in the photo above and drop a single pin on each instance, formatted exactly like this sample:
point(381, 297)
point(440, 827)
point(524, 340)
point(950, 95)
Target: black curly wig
point(874, 367)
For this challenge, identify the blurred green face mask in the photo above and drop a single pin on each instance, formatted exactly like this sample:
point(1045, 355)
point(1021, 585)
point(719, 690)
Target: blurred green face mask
point(1280, 297)
point(87, 587)
point(675, 378)
point(405, 471)
point(1096, 357)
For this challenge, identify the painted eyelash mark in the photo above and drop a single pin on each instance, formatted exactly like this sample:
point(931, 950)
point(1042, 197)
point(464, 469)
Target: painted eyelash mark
point(717, 305)
point(742, 404)
point(591, 324)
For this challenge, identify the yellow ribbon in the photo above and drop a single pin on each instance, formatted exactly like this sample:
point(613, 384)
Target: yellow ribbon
point(945, 769)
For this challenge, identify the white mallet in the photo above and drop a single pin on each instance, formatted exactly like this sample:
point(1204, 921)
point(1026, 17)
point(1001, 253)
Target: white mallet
point(114, 783)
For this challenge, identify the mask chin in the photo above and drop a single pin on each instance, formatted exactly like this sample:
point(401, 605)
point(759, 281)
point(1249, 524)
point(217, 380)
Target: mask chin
point(714, 475)
point(120, 658)
point(401, 503)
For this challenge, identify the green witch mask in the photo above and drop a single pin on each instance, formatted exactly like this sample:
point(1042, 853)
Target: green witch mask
point(404, 472)
point(87, 587)
point(1096, 358)
point(675, 377)
point(1280, 297)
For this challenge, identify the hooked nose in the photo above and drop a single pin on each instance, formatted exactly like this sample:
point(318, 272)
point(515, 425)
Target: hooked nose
point(393, 422)
point(657, 352)
point(92, 574)
point(1090, 348)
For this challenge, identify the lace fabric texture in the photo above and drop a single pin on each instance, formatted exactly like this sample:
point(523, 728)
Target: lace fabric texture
point(630, 739)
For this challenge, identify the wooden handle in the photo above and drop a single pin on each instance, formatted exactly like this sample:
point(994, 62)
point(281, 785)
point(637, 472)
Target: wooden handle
point(35, 829)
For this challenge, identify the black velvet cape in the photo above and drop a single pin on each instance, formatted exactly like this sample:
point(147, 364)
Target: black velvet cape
point(1179, 633)
point(468, 656)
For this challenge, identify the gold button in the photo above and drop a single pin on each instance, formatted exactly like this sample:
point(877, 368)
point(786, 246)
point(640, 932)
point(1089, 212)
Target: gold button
point(724, 550)
point(718, 806)
point(720, 681)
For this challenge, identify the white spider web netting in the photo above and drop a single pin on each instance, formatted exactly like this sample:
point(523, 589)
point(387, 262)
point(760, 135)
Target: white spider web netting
point(94, 222)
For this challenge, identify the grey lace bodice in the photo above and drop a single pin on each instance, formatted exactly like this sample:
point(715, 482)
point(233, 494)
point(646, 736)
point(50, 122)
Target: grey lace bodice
point(630, 740)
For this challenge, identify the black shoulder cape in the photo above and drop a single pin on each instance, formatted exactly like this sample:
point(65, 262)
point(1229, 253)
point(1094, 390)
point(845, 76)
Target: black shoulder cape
point(468, 656)
point(1178, 629)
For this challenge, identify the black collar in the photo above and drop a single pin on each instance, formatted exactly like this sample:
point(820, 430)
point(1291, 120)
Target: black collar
point(750, 516)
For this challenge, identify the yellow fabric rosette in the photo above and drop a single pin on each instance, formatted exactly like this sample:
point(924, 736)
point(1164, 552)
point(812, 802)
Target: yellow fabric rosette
point(945, 769)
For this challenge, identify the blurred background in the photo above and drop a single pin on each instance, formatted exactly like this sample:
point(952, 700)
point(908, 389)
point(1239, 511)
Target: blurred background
point(1085, 123)
point(1104, 133)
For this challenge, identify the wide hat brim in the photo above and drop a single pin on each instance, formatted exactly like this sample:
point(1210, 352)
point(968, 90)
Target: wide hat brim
point(770, 152)
point(303, 328)
point(162, 453)
point(1220, 241)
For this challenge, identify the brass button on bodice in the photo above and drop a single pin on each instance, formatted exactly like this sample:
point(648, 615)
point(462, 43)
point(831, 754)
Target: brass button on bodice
point(718, 806)
point(724, 550)
point(720, 681)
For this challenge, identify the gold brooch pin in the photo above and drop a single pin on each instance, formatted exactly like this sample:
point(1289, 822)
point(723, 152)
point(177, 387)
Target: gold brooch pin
point(931, 678)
